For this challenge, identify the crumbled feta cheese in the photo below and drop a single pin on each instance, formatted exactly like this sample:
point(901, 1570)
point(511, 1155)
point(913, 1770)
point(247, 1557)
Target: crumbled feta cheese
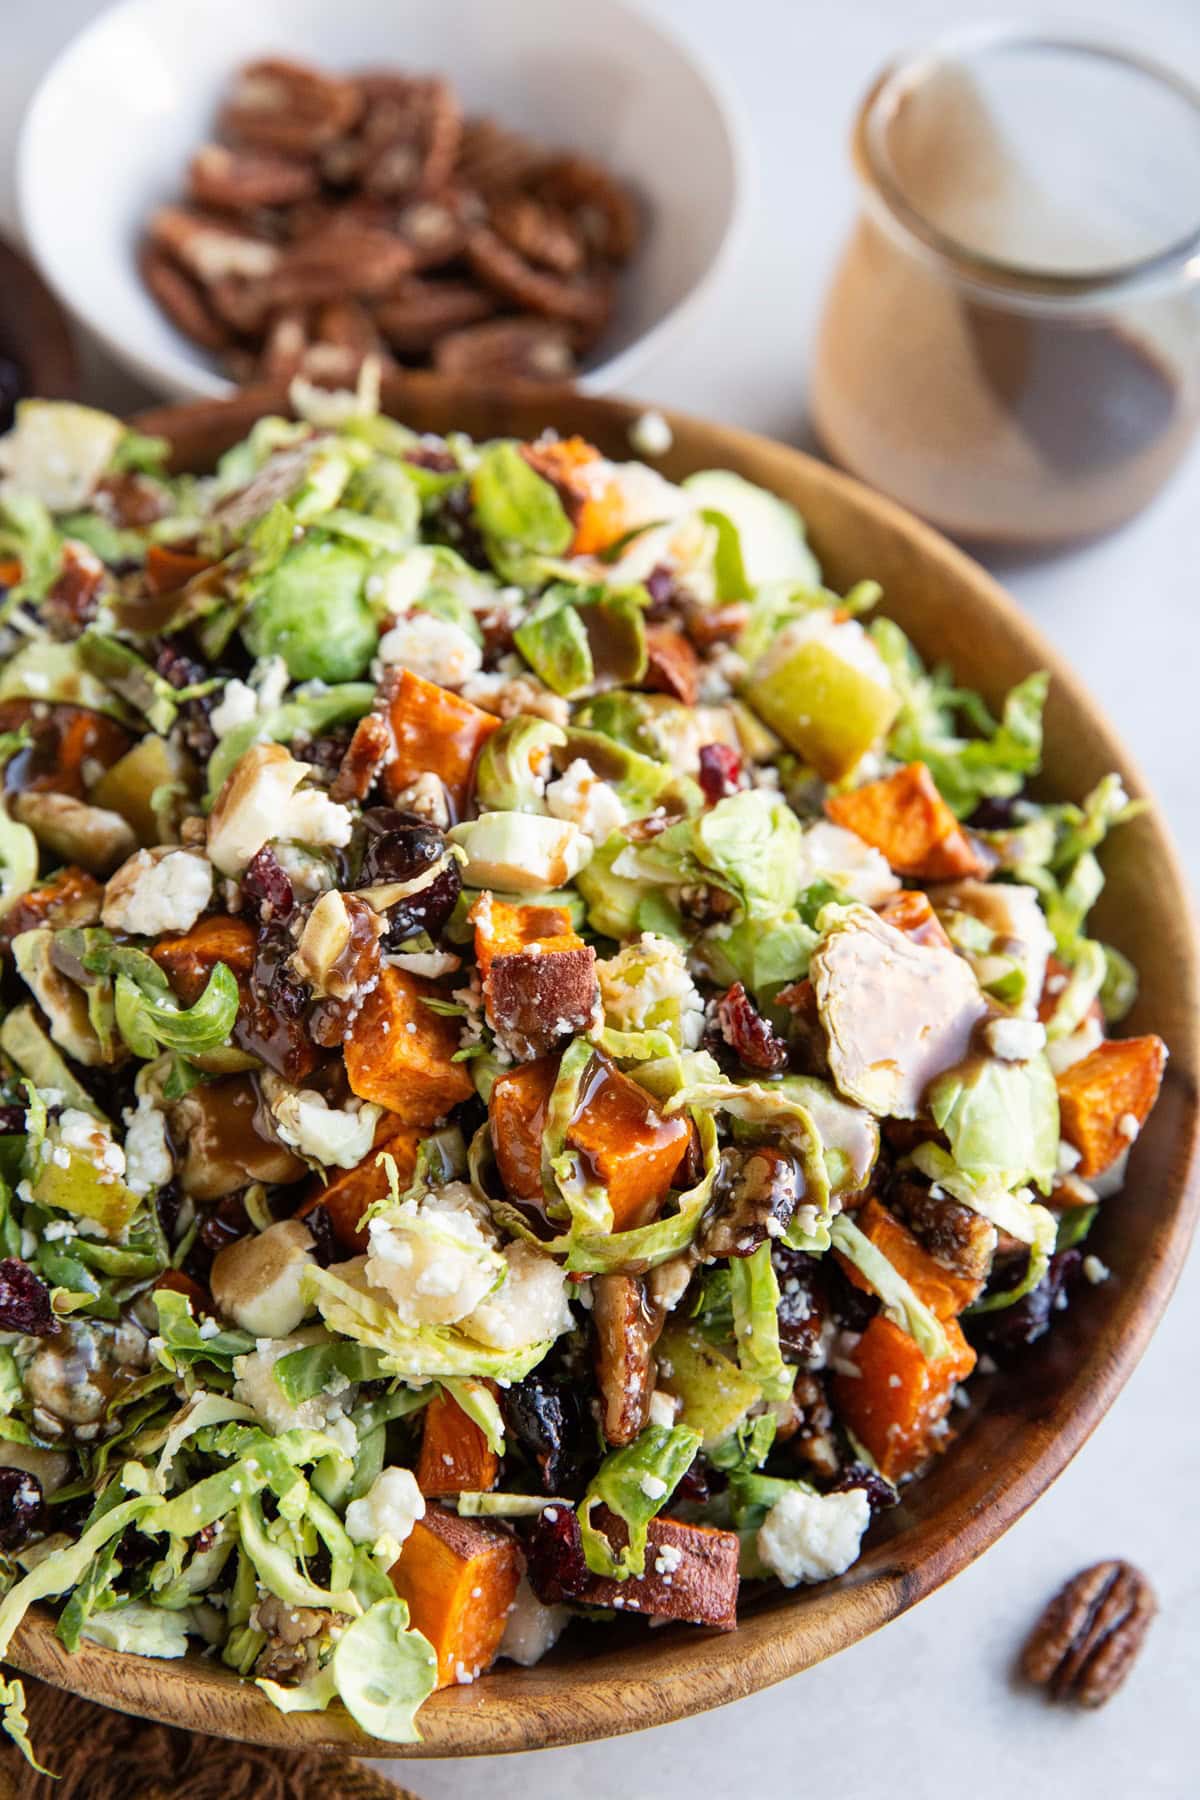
point(530, 1307)
point(1128, 1126)
point(148, 1160)
point(531, 1628)
point(654, 1487)
point(1015, 1040)
point(650, 435)
point(259, 801)
point(1063, 1052)
point(830, 853)
point(436, 1257)
point(237, 706)
point(387, 1512)
point(255, 1386)
point(811, 1537)
point(326, 1134)
point(592, 804)
point(647, 987)
point(668, 1559)
point(429, 963)
point(158, 890)
point(433, 648)
point(663, 1407)
point(1095, 1271)
point(1068, 1158)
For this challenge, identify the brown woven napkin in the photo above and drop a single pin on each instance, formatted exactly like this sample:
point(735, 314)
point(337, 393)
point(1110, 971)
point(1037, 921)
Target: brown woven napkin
point(102, 1755)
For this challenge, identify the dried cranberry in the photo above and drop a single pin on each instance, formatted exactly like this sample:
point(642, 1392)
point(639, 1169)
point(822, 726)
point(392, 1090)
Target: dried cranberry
point(720, 768)
point(1026, 1320)
point(20, 1507)
point(695, 1484)
point(24, 1301)
point(227, 1222)
point(273, 1021)
point(425, 456)
point(802, 1306)
point(177, 668)
point(427, 910)
point(168, 1204)
point(12, 1121)
point(453, 521)
point(324, 754)
point(748, 1034)
point(993, 815)
point(400, 845)
point(660, 585)
point(325, 1243)
point(880, 1493)
point(852, 1309)
point(547, 1419)
point(268, 886)
point(554, 1557)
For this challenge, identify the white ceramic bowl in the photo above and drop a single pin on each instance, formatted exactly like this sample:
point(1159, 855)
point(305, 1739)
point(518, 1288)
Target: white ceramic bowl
point(109, 132)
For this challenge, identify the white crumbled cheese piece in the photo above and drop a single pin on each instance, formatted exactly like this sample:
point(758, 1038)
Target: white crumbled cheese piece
point(530, 1306)
point(1013, 913)
point(1128, 1126)
point(344, 1435)
point(508, 693)
point(651, 435)
point(1068, 1158)
point(654, 1487)
point(1015, 1040)
point(255, 1386)
point(259, 1281)
point(259, 802)
point(326, 1134)
point(436, 1257)
point(829, 852)
point(648, 987)
point(580, 796)
point(435, 649)
point(309, 874)
point(92, 1138)
point(811, 1537)
point(154, 892)
point(429, 963)
point(531, 1628)
point(389, 1509)
point(1095, 1271)
point(668, 1559)
point(237, 706)
point(843, 638)
point(663, 1407)
point(54, 1229)
point(1063, 1052)
point(148, 1160)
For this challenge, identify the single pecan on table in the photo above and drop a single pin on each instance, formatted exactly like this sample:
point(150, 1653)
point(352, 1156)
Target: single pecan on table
point(1085, 1642)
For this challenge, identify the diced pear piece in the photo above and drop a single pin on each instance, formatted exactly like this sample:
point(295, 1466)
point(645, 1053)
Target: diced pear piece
point(824, 688)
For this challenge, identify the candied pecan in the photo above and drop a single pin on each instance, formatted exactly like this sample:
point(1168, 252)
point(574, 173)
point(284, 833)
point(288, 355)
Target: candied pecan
point(1085, 1642)
point(543, 234)
point(748, 1034)
point(75, 595)
point(420, 312)
point(288, 107)
point(720, 772)
point(757, 1190)
point(517, 349)
point(433, 227)
point(182, 299)
point(337, 953)
point(130, 500)
point(24, 1301)
point(711, 625)
point(241, 180)
point(582, 300)
point(368, 750)
point(554, 1555)
point(492, 157)
point(627, 1329)
point(412, 128)
point(285, 345)
point(344, 259)
point(672, 667)
point(808, 1430)
point(805, 1032)
point(606, 212)
point(802, 1307)
point(20, 1507)
point(348, 324)
point(210, 248)
point(954, 1235)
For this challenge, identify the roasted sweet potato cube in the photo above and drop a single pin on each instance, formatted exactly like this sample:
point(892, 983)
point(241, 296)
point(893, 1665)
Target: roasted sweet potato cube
point(535, 1000)
point(906, 818)
point(943, 1291)
point(69, 897)
point(436, 733)
point(400, 1054)
point(700, 1588)
point(502, 929)
point(911, 911)
point(459, 1578)
point(348, 1194)
point(169, 570)
point(188, 961)
point(455, 1456)
point(625, 1141)
point(597, 510)
point(897, 1397)
point(1106, 1098)
point(179, 1283)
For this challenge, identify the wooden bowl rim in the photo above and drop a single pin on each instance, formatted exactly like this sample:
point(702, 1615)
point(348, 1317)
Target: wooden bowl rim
point(672, 1674)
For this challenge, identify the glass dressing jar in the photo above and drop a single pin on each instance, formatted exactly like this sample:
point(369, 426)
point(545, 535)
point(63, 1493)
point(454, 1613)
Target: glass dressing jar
point(1011, 344)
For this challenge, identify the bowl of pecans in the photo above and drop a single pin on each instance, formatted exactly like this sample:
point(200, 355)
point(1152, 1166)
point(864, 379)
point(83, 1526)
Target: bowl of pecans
point(287, 188)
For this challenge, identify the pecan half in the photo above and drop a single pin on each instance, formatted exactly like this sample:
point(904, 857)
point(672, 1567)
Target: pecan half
point(492, 158)
point(1084, 1644)
point(182, 299)
point(606, 211)
point(289, 107)
point(240, 180)
point(627, 1329)
point(521, 349)
point(585, 301)
point(541, 233)
point(419, 313)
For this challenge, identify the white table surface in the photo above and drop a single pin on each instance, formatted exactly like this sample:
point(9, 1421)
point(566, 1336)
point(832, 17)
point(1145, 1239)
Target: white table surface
point(926, 1709)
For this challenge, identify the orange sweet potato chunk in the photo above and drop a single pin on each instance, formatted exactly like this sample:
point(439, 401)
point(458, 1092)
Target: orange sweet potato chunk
point(897, 1398)
point(169, 570)
point(459, 1578)
point(455, 1457)
point(435, 732)
point(624, 1140)
point(348, 1194)
point(943, 1292)
point(911, 911)
point(596, 509)
point(400, 1054)
point(905, 818)
point(502, 929)
point(189, 960)
point(1106, 1098)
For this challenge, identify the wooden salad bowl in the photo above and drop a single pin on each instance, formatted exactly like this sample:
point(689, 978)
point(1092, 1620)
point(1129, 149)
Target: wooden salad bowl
point(1025, 1426)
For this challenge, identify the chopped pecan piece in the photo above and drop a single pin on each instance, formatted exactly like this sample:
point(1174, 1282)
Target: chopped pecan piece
point(294, 1635)
point(757, 1191)
point(1085, 1642)
point(368, 750)
point(627, 1330)
point(494, 159)
point(808, 1426)
point(672, 666)
point(956, 1237)
point(606, 211)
